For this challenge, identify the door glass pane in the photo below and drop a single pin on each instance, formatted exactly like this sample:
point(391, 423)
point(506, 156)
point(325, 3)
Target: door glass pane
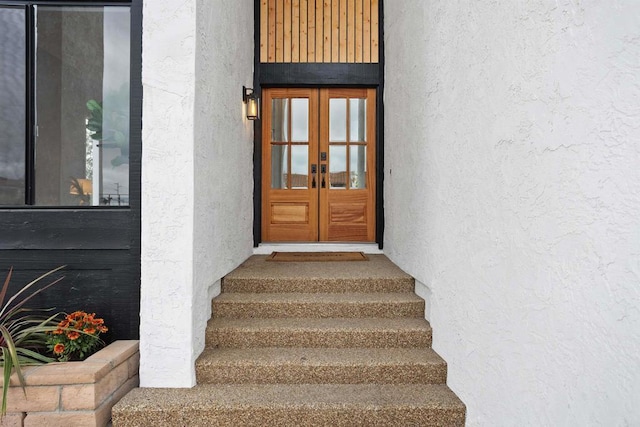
point(338, 166)
point(279, 166)
point(338, 120)
point(82, 105)
point(358, 123)
point(358, 166)
point(300, 120)
point(12, 106)
point(280, 120)
point(299, 166)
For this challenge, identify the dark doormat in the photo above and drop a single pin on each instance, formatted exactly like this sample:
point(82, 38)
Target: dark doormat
point(316, 256)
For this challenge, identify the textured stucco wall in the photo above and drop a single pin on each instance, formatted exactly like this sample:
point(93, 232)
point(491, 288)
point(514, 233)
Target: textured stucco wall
point(224, 150)
point(521, 121)
point(193, 230)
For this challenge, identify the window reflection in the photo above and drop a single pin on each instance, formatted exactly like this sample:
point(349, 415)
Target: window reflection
point(279, 120)
point(299, 120)
point(338, 120)
point(279, 166)
point(357, 120)
point(82, 105)
point(12, 106)
point(358, 166)
point(299, 166)
point(338, 166)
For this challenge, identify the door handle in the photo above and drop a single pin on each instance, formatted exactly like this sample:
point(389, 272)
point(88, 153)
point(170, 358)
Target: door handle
point(314, 170)
point(323, 171)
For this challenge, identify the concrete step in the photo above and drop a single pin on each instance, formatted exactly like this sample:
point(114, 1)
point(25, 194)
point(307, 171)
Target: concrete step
point(376, 275)
point(291, 405)
point(320, 365)
point(381, 305)
point(330, 333)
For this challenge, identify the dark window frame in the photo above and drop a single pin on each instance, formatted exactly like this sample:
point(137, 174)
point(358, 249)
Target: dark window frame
point(135, 103)
point(100, 245)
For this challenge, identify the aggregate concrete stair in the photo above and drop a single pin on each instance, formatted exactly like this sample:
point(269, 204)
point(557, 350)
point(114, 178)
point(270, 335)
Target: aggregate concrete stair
point(317, 305)
point(320, 366)
point(304, 343)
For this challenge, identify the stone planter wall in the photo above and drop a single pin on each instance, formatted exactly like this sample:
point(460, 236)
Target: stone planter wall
point(74, 393)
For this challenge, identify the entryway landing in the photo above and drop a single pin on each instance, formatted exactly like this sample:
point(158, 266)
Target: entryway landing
point(377, 274)
point(268, 248)
point(338, 343)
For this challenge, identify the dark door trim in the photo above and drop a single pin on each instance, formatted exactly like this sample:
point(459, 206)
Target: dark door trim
point(319, 75)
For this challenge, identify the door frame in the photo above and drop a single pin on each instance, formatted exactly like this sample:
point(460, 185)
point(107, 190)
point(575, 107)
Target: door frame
point(319, 75)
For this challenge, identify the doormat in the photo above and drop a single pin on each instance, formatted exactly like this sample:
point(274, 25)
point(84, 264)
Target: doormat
point(316, 256)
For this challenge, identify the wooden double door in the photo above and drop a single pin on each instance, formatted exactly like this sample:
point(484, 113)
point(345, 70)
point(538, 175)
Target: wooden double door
point(318, 165)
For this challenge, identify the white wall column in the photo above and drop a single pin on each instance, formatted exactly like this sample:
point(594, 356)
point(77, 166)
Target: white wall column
point(512, 191)
point(196, 174)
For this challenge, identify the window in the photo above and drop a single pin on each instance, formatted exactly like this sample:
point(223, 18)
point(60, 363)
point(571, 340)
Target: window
point(64, 105)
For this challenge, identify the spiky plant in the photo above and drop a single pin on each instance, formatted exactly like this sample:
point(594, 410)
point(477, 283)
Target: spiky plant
point(23, 331)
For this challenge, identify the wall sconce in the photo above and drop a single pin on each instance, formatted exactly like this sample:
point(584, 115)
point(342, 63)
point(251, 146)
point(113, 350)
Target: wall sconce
point(250, 98)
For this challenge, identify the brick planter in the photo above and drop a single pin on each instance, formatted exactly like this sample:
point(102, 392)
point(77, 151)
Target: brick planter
point(74, 393)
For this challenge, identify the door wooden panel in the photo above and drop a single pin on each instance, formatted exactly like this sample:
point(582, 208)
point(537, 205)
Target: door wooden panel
point(290, 213)
point(347, 212)
point(318, 165)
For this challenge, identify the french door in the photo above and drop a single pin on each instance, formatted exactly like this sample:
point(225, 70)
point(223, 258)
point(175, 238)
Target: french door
point(318, 165)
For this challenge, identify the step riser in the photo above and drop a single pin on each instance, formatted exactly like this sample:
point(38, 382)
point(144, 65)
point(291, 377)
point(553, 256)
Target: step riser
point(395, 285)
point(251, 374)
point(240, 338)
point(337, 416)
point(387, 310)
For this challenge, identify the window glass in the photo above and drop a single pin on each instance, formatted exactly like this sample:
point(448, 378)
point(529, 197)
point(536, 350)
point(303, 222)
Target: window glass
point(338, 166)
point(299, 166)
point(12, 106)
point(279, 166)
point(299, 120)
point(358, 124)
point(82, 70)
point(280, 120)
point(358, 166)
point(338, 120)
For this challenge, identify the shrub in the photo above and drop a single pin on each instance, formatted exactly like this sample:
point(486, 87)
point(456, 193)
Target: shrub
point(76, 336)
point(23, 331)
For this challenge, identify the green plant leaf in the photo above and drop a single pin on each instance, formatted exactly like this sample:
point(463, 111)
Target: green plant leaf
point(7, 368)
point(23, 331)
point(5, 286)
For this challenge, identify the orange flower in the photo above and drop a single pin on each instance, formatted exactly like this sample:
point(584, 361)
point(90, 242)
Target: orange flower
point(58, 348)
point(103, 329)
point(73, 335)
point(90, 330)
point(58, 331)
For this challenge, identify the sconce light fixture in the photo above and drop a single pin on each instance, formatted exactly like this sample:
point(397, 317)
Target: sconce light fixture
point(250, 98)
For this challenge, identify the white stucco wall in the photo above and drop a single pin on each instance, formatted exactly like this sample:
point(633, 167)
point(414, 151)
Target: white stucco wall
point(521, 121)
point(196, 174)
point(224, 150)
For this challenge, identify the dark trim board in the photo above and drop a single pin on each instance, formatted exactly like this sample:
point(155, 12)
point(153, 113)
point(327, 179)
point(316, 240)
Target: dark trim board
point(99, 245)
point(67, 229)
point(334, 75)
point(380, 124)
